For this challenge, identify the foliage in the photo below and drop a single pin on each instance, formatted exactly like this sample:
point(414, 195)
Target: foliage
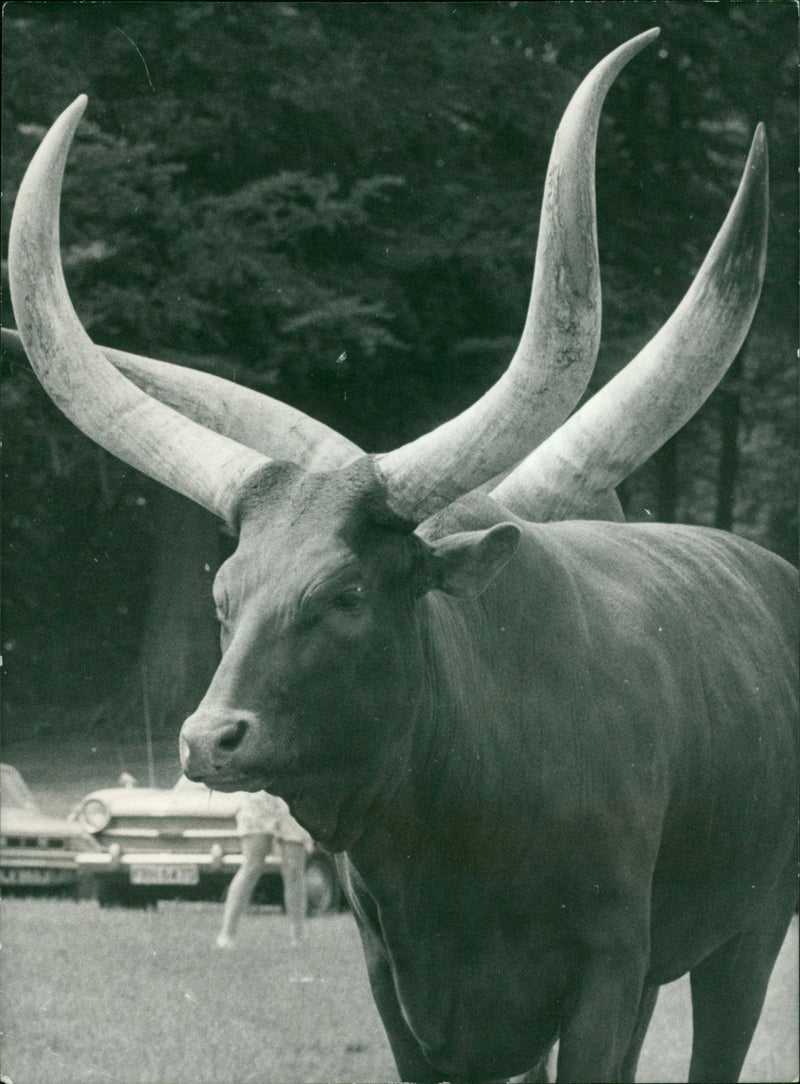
point(337, 203)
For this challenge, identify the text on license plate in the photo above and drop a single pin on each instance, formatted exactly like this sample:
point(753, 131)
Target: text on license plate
point(33, 876)
point(165, 875)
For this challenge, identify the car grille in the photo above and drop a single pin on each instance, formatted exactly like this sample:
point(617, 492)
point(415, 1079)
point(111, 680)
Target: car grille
point(34, 842)
point(195, 835)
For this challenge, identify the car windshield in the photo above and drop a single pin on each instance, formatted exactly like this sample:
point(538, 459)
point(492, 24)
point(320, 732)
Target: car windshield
point(13, 792)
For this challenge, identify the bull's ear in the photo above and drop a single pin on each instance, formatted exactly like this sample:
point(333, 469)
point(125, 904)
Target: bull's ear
point(464, 564)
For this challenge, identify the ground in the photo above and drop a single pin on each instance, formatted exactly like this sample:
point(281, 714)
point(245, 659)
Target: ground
point(120, 997)
point(124, 997)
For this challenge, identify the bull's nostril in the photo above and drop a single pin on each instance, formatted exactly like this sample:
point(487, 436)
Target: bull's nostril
point(233, 736)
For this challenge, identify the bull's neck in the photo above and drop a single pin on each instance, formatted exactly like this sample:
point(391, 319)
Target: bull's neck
point(455, 792)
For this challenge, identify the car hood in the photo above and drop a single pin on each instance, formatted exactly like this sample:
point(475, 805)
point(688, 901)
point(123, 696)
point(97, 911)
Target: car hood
point(22, 822)
point(156, 802)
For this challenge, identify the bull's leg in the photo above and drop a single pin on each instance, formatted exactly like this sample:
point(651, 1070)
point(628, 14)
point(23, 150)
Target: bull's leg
point(603, 1010)
point(539, 1074)
point(728, 990)
point(596, 1037)
point(646, 1006)
point(409, 1059)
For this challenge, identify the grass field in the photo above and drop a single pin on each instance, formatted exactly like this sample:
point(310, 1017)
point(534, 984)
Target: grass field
point(93, 996)
point(125, 997)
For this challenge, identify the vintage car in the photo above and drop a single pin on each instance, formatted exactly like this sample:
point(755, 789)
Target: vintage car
point(181, 843)
point(38, 853)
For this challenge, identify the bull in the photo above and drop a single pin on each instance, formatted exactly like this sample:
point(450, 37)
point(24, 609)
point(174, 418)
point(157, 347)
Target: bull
point(555, 752)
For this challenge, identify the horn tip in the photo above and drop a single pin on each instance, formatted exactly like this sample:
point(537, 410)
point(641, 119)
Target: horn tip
point(71, 116)
point(79, 105)
point(630, 48)
point(645, 37)
point(758, 157)
point(66, 125)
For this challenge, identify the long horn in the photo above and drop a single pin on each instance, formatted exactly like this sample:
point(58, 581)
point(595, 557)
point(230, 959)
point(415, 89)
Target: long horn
point(552, 365)
point(265, 424)
point(203, 465)
point(668, 381)
point(603, 505)
point(258, 421)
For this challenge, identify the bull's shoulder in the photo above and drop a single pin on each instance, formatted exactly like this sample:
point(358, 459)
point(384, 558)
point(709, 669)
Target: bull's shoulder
point(642, 555)
point(683, 565)
point(618, 544)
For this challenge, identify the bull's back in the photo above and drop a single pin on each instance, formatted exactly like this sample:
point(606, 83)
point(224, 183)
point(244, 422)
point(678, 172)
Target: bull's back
point(730, 839)
point(718, 620)
point(648, 702)
point(672, 704)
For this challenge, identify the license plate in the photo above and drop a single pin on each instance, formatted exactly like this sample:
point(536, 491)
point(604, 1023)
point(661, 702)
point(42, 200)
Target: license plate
point(165, 875)
point(33, 877)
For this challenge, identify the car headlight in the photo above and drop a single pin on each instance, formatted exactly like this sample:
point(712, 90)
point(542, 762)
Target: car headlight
point(95, 814)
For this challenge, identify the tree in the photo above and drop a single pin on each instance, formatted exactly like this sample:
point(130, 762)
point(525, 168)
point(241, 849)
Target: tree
point(337, 204)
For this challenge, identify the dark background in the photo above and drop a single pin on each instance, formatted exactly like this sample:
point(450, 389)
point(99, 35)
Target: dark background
point(337, 204)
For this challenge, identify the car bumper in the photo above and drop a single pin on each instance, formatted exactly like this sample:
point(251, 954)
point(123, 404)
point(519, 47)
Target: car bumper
point(108, 858)
point(206, 863)
point(124, 879)
point(35, 872)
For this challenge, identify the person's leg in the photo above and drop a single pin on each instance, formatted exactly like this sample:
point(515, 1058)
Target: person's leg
point(254, 851)
point(293, 867)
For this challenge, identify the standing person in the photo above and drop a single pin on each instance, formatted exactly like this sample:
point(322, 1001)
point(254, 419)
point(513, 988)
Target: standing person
point(256, 820)
point(295, 844)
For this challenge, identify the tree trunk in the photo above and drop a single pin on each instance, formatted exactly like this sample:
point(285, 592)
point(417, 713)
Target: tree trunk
point(667, 482)
point(180, 647)
point(730, 402)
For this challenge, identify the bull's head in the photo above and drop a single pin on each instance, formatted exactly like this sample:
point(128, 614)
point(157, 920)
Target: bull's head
point(313, 699)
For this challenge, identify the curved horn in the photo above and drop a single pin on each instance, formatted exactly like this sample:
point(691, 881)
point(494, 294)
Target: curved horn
point(205, 466)
point(258, 421)
point(668, 381)
point(552, 365)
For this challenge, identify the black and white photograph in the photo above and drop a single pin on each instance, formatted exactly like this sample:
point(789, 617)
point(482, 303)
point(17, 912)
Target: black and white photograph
point(399, 542)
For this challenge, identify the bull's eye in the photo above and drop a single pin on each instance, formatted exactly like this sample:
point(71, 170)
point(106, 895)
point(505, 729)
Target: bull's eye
point(328, 601)
point(350, 599)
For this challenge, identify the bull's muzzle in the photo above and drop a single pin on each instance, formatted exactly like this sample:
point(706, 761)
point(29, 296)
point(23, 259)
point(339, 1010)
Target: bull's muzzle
point(213, 743)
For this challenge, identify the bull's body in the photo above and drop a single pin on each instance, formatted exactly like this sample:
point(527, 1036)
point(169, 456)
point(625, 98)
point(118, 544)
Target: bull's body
point(605, 768)
point(559, 758)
